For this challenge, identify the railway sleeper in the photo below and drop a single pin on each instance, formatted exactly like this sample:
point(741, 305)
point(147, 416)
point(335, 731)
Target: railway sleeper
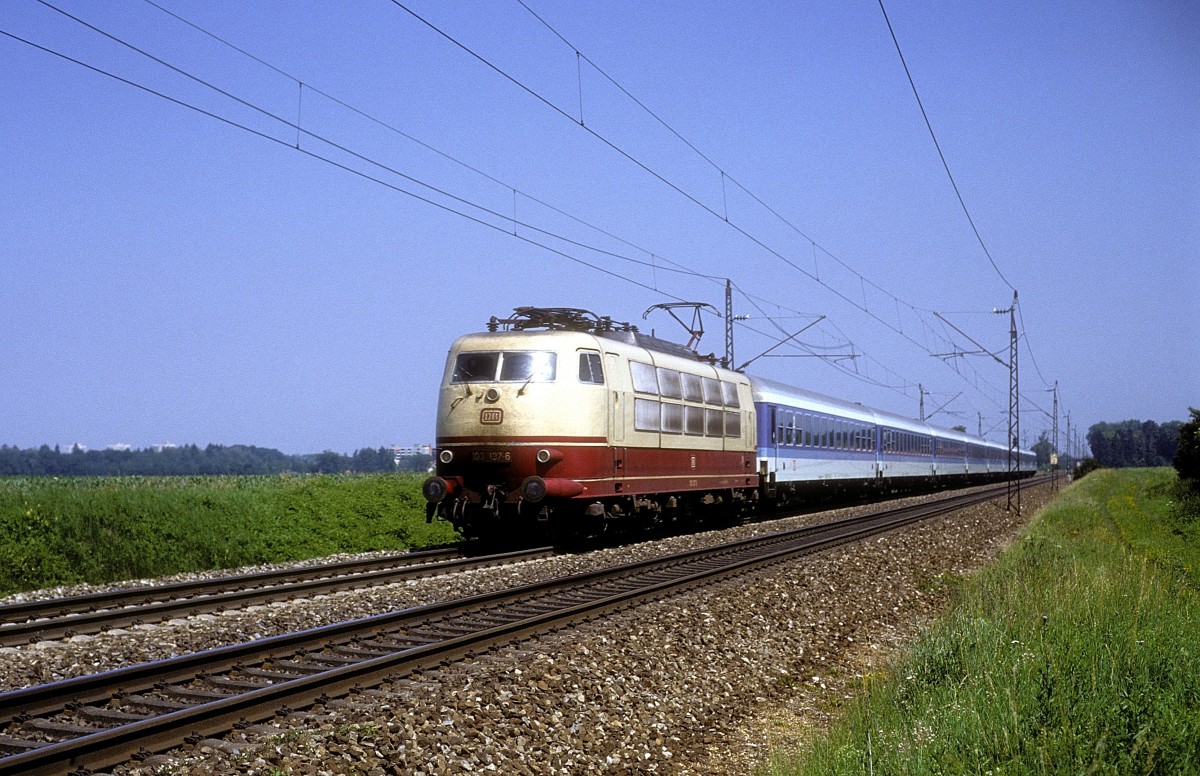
point(193, 694)
point(266, 673)
point(335, 657)
point(303, 667)
point(53, 726)
point(236, 684)
point(150, 702)
point(399, 645)
point(361, 652)
point(101, 714)
point(18, 745)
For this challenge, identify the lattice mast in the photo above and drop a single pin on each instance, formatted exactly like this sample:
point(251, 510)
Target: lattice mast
point(1014, 413)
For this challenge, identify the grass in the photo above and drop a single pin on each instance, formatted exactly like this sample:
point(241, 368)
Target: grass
point(1078, 652)
point(97, 529)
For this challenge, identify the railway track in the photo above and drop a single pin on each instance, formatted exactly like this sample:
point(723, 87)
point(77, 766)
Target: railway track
point(96, 721)
point(31, 621)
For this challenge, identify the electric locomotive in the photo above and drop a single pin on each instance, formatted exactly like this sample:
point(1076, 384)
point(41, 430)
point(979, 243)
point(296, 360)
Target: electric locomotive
point(562, 418)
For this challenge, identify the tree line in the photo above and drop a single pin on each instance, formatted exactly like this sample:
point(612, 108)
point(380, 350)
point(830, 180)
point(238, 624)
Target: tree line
point(1135, 443)
point(48, 461)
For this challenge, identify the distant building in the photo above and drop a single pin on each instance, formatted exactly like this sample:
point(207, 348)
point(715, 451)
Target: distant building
point(411, 450)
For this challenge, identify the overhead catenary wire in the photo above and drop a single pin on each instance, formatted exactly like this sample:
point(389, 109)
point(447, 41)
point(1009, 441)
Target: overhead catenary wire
point(725, 176)
point(681, 269)
point(296, 125)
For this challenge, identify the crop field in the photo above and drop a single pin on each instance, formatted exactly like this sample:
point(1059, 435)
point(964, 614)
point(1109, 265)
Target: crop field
point(56, 531)
point(1078, 652)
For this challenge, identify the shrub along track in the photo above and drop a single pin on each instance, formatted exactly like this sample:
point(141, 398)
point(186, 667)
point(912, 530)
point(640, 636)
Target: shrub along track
point(214, 691)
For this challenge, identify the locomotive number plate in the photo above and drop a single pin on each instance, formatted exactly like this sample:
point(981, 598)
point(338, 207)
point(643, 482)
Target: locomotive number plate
point(491, 416)
point(491, 456)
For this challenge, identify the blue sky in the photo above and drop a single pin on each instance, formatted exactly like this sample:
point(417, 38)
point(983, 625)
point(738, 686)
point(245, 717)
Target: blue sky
point(168, 277)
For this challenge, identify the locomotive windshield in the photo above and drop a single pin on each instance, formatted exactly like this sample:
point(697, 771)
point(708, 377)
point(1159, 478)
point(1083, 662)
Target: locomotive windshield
point(538, 366)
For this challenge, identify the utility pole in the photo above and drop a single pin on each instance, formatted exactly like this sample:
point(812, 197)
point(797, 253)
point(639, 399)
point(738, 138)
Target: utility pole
point(921, 388)
point(728, 324)
point(1014, 398)
point(1014, 410)
point(1070, 447)
point(1054, 447)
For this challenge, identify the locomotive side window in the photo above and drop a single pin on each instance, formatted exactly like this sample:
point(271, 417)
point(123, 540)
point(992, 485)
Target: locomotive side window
point(645, 415)
point(693, 420)
point(668, 383)
point(691, 387)
point(672, 418)
point(589, 368)
point(733, 424)
point(729, 394)
point(644, 380)
point(712, 391)
point(713, 425)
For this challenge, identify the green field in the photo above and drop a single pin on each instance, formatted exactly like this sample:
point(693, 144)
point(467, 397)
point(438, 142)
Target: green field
point(56, 531)
point(1078, 652)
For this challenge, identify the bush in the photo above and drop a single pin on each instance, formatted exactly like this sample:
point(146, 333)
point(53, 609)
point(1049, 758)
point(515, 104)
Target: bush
point(1187, 458)
point(1086, 466)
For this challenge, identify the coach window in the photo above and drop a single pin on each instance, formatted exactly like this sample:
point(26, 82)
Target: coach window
point(668, 383)
point(692, 391)
point(589, 368)
point(644, 380)
point(712, 391)
point(789, 433)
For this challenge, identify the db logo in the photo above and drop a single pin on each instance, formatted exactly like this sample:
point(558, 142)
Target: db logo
point(491, 416)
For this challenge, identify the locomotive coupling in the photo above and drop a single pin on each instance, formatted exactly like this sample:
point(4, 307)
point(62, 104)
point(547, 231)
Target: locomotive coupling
point(434, 489)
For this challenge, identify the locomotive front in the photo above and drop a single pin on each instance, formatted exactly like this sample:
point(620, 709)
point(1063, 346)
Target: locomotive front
point(521, 429)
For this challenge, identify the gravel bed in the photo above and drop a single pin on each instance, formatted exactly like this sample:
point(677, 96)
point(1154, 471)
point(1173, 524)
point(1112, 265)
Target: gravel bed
point(660, 688)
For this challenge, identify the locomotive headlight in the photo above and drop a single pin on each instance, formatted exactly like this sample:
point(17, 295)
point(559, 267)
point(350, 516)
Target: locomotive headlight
point(446, 456)
point(492, 395)
point(434, 489)
point(548, 455)
point(533, 489)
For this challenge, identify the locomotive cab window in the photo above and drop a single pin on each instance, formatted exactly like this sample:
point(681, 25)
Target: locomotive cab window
point(505, 366)
point(589, 368)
